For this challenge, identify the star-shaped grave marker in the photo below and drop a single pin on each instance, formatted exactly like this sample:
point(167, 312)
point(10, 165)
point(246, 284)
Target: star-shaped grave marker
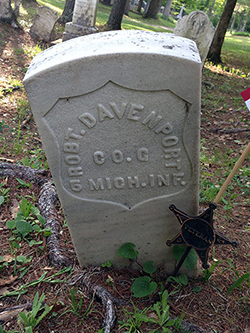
point(198, 232)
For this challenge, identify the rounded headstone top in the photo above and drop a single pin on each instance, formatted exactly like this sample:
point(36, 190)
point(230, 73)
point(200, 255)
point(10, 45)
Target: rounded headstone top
point(114, 42)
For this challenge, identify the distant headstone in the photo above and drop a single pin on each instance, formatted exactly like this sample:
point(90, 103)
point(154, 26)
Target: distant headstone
point(118, 114)
point(199, 28)
point(43, 24)
point(83, 21)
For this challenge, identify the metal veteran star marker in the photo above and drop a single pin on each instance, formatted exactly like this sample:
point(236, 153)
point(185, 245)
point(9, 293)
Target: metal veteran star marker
point(197, 232)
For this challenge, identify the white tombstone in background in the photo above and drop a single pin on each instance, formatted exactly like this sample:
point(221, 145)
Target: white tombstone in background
point(197, 27)
point(43, 23)
point(83, 21)
point(119, 117)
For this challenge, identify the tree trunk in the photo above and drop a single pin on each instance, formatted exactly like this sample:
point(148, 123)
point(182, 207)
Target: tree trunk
point(116, 14)
point(214, 53)
point(126, 10)
point(211, 8)
point(240, 24)
point(167, 8)
point(68, 10)
point(153, 9)
point(234, 19)
point(139, 6)
point(246, 20)
point(107, 2)
point(7, 14)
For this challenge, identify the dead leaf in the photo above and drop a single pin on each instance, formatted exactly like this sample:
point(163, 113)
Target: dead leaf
point(153, 315)
point(9, 313)
point(7, 258)
point(14, 208)
point(10, 280)
point(4, 290)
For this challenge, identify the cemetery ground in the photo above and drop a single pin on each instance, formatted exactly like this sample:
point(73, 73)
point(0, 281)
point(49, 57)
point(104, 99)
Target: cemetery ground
point(208, 301)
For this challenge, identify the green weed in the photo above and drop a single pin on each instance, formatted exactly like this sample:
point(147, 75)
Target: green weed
point(33, 51)
point(3, 193)
point(142, 286)
point(134, 320)
point(162, 311)
point(18, 142)
point(32, 318)
point(23, 289)
point(35, 159)
point(161, 319)
point(237, 284)
point(23, 108)
point(27, 222)
point(18, 51)
point(2, 126)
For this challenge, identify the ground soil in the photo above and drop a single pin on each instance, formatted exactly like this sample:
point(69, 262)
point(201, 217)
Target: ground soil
point(211, 308)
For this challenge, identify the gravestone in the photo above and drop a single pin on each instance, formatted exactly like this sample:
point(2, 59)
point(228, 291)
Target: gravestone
point(199, 28)
point(118, 114)
point(83, 21)
point(43, 23)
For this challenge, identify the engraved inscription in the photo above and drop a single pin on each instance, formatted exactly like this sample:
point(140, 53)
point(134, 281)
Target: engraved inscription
point(121, 145)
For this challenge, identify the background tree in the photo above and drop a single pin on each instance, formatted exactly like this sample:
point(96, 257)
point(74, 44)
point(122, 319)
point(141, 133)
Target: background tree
point(167, 8)
point(139, 6)
point(116, 14)
point(9, 15)
point(153, 9)
point(234, 19)
point(214, 53)
point(246, 20)
point(68, 10)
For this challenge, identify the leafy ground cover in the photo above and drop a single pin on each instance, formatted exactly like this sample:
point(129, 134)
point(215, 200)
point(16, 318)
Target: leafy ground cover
point(217, 300)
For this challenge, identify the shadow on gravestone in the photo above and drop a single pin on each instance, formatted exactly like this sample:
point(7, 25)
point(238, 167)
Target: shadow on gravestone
point(120, 129)
point(43, 24)
point(197, 27)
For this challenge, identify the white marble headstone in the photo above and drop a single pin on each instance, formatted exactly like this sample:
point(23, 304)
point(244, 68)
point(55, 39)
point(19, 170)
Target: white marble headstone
point(119, 114)
point(83, 21)
point(43, 23)
point(197, 27)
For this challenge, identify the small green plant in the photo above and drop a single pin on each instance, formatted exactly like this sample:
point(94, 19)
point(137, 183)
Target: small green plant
point(244, 278)
point(18, 51)
point(161, 319)
point(134, 320)
point(18, 142)
point(190, 261)
point(36, 159)
point(161, 309)
point(43, 279)
point(2, 126)
point(33, 51)
point(31, 319)
point(3, 193)
point(23, 108)
point(76, 304)
point(107, 264)
point(142, 286)
point(22, 183)
point(207, 273)
point(178, 281)
point(28, 220)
